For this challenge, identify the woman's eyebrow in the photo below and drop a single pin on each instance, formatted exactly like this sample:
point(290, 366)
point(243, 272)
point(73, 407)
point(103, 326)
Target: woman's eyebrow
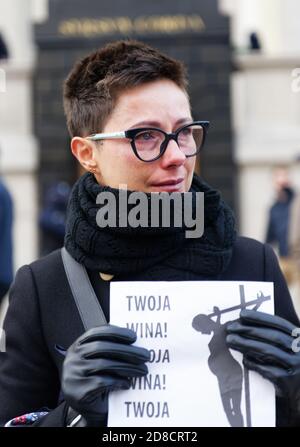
point(158, 124)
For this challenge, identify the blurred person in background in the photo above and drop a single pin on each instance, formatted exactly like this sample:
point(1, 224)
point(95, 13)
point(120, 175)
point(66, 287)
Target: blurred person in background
point(6, 246)
point(52, 219)
point(3, 48)
point(6, 219)
point(254, 42)
point(294, 232)
point(279, 220)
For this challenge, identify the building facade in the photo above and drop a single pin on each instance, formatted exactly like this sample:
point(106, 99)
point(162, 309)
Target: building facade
point(255, 94)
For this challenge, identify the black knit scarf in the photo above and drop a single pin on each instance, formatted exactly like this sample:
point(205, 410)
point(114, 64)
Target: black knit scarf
point(160, 253)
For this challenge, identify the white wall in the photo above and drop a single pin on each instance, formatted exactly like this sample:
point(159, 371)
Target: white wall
point(276, 22)
point(265, 103)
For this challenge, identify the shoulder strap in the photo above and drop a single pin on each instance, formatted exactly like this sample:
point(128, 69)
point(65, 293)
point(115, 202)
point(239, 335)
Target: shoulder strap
point(85, 298)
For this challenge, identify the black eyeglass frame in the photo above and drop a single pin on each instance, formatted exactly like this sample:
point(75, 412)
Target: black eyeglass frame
point(131, 134)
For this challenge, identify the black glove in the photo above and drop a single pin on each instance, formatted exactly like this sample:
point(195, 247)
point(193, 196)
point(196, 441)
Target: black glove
point(99, 361)
point(269, 349)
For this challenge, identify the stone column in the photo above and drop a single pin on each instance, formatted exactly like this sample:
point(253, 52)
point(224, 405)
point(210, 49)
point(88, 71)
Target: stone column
point(276, 22)
point(267, 133)
point(265, 102)
point(18, 158)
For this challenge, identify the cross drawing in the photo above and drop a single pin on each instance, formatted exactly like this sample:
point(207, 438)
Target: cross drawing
point(223, 365)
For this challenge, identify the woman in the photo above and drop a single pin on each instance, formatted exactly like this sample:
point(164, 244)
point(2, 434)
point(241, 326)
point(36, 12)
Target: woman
point(130, 120)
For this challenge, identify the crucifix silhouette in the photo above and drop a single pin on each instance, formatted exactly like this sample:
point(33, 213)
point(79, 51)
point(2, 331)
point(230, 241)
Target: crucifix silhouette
point(222, 364)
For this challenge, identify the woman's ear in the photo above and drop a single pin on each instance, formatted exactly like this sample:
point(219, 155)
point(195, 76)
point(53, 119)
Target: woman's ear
point(83, 150)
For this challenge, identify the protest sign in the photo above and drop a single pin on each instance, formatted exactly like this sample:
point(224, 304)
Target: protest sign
point(194, 379)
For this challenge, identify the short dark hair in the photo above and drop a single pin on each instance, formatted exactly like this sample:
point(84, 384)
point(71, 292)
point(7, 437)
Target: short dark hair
point(93, 85)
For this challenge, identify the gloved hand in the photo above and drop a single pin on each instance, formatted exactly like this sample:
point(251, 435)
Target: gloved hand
point(99, 361)
point(269, 349)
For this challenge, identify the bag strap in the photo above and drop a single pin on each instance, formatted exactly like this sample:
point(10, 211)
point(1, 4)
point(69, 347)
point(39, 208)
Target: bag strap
point(87, 303)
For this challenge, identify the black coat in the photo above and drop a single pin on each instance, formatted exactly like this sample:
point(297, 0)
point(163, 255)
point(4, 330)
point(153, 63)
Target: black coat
point(43, 314)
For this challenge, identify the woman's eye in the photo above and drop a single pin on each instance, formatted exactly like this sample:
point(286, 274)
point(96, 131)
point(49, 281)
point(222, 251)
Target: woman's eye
point(187, 131)
point(146, 136)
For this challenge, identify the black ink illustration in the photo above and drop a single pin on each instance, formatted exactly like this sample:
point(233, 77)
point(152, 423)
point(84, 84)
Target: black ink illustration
point(222, 364)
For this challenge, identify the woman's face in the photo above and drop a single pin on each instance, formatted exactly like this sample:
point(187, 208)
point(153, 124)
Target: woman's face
point(160, 104)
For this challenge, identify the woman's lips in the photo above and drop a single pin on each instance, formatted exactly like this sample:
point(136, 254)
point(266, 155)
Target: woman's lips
point(169, 185)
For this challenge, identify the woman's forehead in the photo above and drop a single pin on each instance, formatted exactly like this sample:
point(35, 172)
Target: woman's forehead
point(157, 102)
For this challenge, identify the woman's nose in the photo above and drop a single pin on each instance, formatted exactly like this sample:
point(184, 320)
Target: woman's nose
point(173, 154)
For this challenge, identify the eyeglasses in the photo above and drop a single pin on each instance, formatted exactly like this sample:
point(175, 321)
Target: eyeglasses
point(150, 143)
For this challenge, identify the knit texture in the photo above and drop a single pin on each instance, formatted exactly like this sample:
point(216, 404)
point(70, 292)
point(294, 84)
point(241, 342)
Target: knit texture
point(149, 252)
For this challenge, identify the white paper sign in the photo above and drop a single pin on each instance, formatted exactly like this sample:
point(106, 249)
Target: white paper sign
point(194, 380)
